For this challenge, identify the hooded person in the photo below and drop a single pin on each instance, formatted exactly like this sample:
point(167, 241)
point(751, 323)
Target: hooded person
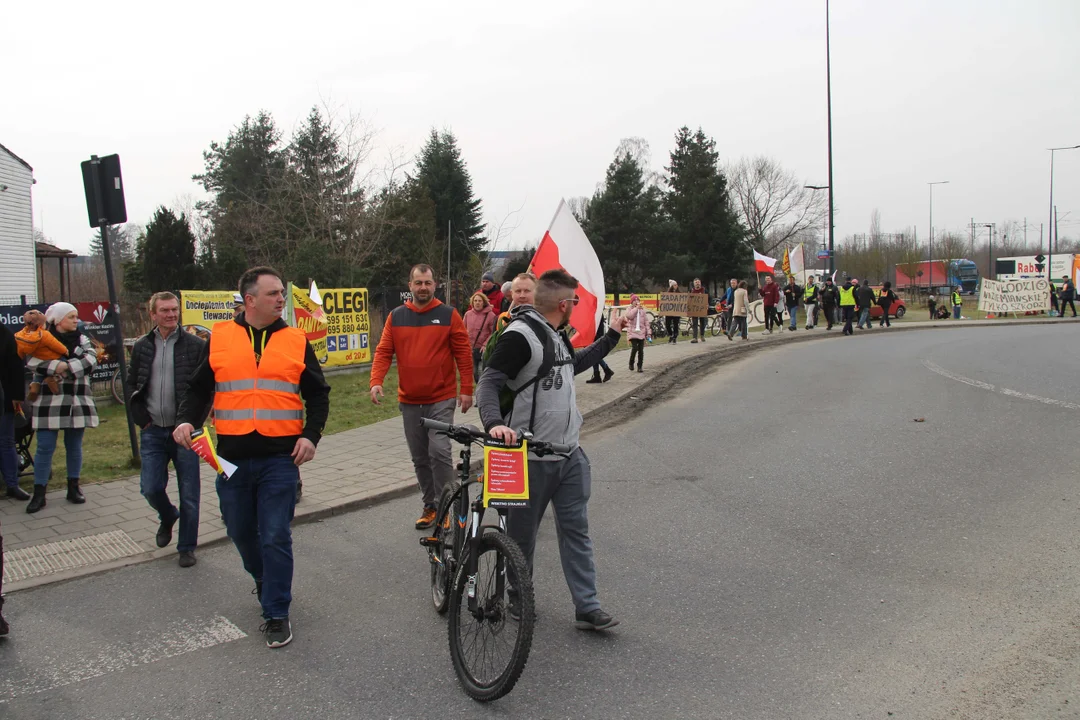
point(829, 299)
point(491, 290)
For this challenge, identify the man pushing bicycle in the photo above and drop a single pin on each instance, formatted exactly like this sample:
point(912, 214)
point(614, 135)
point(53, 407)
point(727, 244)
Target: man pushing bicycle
point(528, 385)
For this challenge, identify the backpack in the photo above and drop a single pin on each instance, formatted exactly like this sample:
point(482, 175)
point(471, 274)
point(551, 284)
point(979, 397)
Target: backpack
point(507, 395)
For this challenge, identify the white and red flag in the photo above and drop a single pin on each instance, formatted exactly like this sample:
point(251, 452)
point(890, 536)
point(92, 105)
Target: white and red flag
point(566, 246)
point(764, 263)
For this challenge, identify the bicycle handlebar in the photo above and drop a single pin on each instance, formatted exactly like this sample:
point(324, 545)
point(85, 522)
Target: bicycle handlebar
point(467, 433)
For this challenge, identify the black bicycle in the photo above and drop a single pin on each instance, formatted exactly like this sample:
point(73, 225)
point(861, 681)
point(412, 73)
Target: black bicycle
point(479, 574)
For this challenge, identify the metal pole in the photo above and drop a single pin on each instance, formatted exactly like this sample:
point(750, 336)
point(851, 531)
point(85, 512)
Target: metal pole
point(449, 282)
point(932, 184)
point(828, 97)
point(1050, 238)
point(118, 333)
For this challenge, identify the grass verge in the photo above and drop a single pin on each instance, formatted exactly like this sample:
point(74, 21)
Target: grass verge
point(107, 449)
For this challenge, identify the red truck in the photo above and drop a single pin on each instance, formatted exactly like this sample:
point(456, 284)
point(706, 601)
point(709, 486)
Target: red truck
point(946, 273)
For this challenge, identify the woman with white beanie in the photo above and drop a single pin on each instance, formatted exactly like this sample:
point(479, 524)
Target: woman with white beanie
point(71, 409)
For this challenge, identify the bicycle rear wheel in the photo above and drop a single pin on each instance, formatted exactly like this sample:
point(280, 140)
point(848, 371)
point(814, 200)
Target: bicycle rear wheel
point(489, 647)
point(448, 533)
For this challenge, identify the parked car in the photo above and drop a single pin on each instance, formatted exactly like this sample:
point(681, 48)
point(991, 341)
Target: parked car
point(898, 308)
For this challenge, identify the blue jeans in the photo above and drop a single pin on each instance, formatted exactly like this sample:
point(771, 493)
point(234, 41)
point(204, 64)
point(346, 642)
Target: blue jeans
point(257, 505)
point(956, 311)
point(864, 318)
point(9, 459)
point(794, 312)
point(157, 448)
point(46, 446)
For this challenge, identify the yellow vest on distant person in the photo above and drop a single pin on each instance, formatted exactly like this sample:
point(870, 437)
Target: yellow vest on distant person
point(847, 297)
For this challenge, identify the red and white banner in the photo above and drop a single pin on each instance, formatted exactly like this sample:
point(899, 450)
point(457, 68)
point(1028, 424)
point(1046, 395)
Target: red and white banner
point(764, 263)
point(566, 246)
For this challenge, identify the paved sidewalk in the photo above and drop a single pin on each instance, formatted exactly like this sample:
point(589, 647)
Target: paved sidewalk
point(359, 467)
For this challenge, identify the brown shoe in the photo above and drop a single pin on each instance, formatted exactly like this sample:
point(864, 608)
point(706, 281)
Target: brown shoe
point(54, 384)
point(427, 519)
point(34, 391)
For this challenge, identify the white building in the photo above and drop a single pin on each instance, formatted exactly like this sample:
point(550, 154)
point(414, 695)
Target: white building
point(18, 274)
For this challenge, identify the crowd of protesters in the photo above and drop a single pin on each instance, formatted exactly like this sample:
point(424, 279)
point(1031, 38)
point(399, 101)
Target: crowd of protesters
point(260, 383)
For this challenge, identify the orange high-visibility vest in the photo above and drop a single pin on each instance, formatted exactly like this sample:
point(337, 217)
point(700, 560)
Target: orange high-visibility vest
point(263, 397)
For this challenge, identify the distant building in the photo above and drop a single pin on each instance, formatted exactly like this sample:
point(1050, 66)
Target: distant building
point(18, 276)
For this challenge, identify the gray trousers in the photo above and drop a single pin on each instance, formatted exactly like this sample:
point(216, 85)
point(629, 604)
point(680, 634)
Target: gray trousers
point(431, 453)
point(566, 484)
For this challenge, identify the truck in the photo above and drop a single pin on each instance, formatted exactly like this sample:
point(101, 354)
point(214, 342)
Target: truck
point(927, 275)
point(1023, 267)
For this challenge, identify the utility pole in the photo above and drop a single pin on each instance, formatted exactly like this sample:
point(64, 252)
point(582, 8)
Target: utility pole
point(828, 99)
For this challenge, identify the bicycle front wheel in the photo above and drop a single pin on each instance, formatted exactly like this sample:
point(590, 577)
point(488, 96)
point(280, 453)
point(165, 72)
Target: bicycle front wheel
point(717, 326)
point(490, 642)
point(117, 387)
point(448, 533)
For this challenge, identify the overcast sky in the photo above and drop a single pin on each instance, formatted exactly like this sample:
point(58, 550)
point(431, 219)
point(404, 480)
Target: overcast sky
point(539, 95)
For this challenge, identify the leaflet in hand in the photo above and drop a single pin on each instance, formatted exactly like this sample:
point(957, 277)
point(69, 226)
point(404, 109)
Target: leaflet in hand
point(203, 445)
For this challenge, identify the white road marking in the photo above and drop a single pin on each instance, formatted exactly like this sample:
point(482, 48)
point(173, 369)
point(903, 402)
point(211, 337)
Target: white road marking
point(180, 637)
point(1004, 391)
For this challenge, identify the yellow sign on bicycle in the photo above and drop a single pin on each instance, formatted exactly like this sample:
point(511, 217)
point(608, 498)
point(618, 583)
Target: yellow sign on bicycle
point(506, 475)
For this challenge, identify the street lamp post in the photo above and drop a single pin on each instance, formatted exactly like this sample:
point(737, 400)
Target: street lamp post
point(932, 184)
point(828, 224)
point(990, 252)
point(1053, 233)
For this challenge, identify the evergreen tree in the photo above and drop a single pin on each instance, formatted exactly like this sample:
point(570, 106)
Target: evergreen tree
point(705, 228)
point(623, 221)
point(404, 216)
point(121, 243)
point(168, 252)
point(517, 263)
point(441, 170)
point(245, 177)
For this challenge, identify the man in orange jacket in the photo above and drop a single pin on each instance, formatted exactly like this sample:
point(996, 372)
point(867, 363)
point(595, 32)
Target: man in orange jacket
point(261, 374)
point(429, 339)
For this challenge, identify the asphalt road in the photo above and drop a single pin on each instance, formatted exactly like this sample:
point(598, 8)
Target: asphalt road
point(780, 540)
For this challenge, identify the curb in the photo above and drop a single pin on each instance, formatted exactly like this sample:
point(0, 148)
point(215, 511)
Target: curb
point(664, 379)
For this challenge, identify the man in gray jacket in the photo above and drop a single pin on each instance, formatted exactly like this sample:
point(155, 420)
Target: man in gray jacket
point(536, 362)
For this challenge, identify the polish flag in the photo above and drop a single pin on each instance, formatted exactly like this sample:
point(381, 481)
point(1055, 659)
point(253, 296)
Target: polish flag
point(566, 246)
point(764, 263)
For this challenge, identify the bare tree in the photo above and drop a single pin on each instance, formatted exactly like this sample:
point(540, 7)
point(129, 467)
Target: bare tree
point(638, 149)
point(775, 205)
point(951, 246)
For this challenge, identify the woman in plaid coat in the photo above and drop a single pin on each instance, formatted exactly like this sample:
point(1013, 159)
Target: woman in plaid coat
point(71, 410)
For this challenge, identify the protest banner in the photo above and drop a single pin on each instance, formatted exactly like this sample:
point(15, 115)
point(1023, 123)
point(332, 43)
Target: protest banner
point(99, 324)
point(200, 310)
point(506, 475)
point(684, 304)
point(1014, 296)
point(348, 326)
point(12, 315)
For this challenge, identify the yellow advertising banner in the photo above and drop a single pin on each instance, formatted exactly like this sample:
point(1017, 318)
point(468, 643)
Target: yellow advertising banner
point(649, 302)
point(200, 310)
point(348, 326)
